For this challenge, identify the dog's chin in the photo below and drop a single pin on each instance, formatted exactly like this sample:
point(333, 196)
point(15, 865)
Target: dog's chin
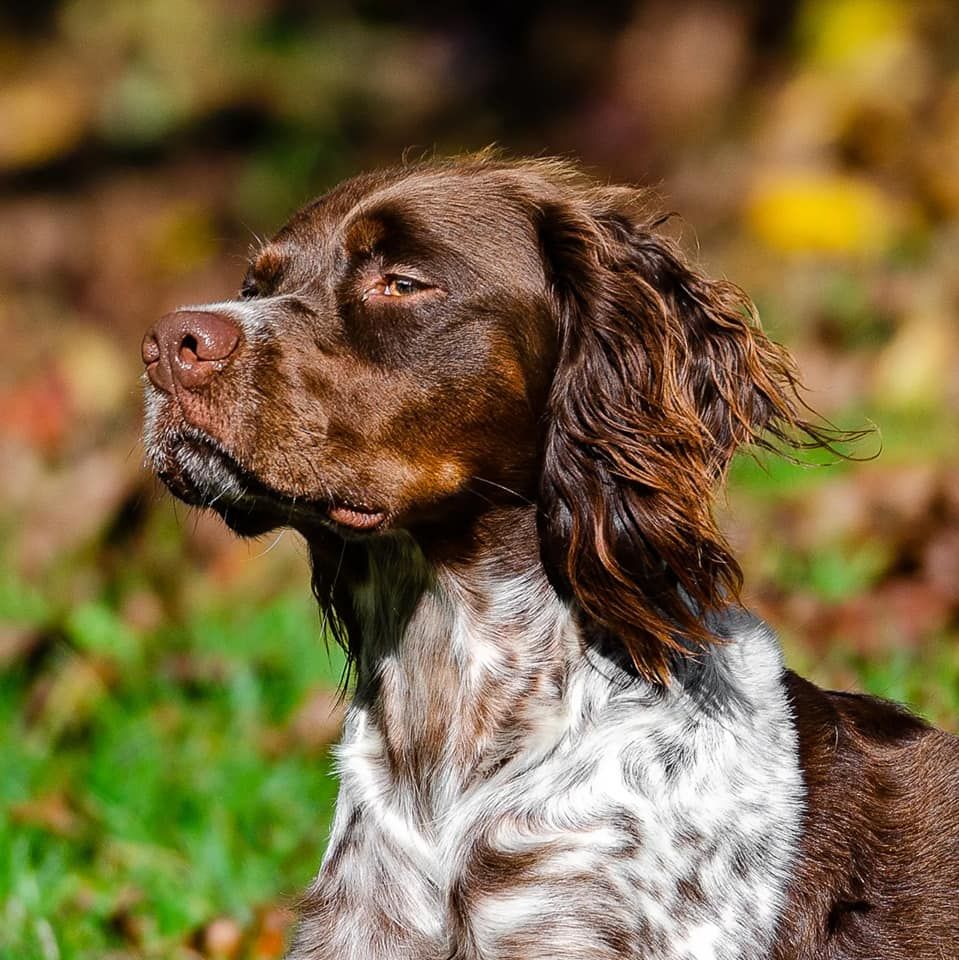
point(248, 523)
point(199, 472)
point(197, 488)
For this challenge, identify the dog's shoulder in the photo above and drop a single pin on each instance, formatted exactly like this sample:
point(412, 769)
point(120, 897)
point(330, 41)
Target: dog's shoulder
point(878, 873)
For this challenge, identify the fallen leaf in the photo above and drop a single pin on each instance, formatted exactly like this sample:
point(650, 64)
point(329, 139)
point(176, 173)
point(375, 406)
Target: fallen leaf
point(899, 614)
point(70, 507)
point(142, 610)
point(66, 698)
point(913, 369)
point(17, 642)
point(941, 562)
point(38, 410)
point(838, 32)
point(100, 377)
point(824, 213)
point(43, 115)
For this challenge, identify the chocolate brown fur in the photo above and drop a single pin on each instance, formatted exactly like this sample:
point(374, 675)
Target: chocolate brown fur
point(878, 874)
point(497, 403)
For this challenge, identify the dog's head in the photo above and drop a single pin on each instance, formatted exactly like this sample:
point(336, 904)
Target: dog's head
point(423, 344)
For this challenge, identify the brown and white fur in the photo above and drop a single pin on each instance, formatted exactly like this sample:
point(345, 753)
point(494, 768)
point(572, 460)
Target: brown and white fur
point(497, 404)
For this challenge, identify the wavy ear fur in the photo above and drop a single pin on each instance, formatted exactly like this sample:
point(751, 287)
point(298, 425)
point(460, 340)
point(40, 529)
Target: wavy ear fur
point(662, 374)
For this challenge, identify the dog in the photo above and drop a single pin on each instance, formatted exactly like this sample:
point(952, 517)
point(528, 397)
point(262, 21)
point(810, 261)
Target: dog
point(497, 403)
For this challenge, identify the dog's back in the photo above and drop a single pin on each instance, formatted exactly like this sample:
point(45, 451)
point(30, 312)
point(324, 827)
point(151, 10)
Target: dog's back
point(878, 872)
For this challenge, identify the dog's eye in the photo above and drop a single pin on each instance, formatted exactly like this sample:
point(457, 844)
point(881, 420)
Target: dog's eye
point(394, 285)
point(400, 286)
point(249, 290)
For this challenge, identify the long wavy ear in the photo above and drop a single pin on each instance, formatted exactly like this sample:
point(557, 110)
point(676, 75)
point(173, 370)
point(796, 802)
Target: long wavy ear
point(662, 374)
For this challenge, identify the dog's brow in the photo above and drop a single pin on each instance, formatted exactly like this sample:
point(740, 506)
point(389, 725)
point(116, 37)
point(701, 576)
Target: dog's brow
point(364, 232)
point(268, 264)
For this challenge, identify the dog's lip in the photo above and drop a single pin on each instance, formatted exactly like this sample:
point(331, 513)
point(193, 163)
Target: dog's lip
point(356, 518)
point(334, 511)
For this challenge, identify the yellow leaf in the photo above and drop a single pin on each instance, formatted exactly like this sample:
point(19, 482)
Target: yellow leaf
point(821, 213)
point(184, 239)
point(42, 117)
point(840, 31)
point(97, 372)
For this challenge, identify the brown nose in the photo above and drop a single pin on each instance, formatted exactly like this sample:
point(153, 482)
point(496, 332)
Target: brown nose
point(188, 348)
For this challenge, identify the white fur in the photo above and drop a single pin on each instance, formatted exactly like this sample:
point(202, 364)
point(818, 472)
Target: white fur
point(600, 849)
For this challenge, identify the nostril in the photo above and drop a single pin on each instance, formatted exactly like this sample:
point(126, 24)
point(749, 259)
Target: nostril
point(189, 349)
point(208, 336)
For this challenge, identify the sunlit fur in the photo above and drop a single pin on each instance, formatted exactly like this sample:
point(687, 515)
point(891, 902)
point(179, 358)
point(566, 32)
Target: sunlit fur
point(567, 739)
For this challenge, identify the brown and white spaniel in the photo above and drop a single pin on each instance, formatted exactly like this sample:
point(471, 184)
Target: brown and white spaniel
point(497, 405)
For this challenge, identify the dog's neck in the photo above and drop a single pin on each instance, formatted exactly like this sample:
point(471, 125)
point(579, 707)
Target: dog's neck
point(491, 731)
point(460, 661)
point(466, 661)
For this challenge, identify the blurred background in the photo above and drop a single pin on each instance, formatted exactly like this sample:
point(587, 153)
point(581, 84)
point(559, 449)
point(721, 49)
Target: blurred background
point(166, 700)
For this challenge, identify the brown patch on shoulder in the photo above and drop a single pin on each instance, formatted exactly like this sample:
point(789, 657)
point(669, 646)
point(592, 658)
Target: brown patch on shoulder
point(690, 891)
point(878, 868)
point(491, 871)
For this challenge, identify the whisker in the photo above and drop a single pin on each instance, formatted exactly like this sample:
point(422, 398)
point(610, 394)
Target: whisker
point(493, 483)
point(279, 537)
point(217, 497)
point(482, 496)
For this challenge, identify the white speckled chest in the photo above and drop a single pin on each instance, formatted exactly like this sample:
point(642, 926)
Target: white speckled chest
point(626, 822)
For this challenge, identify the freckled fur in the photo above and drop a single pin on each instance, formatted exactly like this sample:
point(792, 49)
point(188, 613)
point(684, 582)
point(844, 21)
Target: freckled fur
point(542, 783)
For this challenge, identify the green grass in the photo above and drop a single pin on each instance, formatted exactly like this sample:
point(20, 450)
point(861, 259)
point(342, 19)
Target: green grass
point(180, 812)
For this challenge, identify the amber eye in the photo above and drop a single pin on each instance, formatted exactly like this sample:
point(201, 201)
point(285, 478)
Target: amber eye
point(396, 286)
point(400, 286)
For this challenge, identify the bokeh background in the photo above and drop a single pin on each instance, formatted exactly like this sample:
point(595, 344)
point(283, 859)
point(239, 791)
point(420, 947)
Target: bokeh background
point(166, 700)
